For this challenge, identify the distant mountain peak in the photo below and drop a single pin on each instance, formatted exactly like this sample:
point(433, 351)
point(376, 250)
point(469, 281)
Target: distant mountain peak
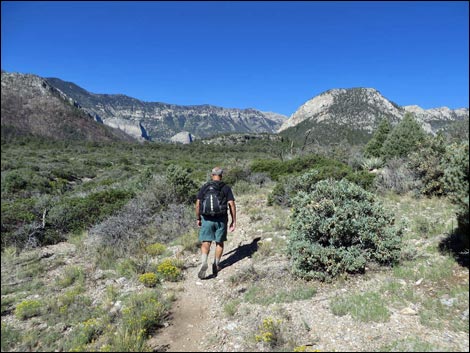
point(359, 110)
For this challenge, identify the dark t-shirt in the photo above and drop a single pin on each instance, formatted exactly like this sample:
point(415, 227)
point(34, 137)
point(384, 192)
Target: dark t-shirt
point(226, 190)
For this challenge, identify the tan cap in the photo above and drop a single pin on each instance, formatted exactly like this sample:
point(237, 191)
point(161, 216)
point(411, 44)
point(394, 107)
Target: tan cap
point(217, 171)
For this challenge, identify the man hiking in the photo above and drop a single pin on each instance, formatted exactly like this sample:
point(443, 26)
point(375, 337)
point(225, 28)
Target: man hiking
point(212, 218)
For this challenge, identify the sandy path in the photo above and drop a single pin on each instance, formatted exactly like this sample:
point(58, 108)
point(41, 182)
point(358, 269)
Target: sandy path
point(192, 325)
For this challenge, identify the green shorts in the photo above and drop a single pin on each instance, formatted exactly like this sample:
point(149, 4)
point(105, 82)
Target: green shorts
point(213, 229)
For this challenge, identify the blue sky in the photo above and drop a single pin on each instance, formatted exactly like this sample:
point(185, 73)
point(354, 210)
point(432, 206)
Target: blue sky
point(268, 55)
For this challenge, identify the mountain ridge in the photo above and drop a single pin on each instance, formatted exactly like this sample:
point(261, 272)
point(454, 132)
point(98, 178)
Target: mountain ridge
point(358, 111)
point(30, 106)
point(162, 121)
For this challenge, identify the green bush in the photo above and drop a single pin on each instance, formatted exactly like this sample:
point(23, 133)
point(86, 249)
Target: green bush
point(180, 182)
point(456, 184)
point(77, 213)
point(143, 312)
point(28, 308)
point(338, 227)
point(375, 144)
point(235, 174)
point(16, 214)
point(276, 168)
point(288, 186)
point(155, 249)
point(396, 176)
point(426, 164)
point(148, 279)
point(169, 271)
point(403, 139)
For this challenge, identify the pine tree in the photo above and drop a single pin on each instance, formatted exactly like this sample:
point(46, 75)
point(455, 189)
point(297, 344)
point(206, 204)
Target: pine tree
point(374, 146)
point(404, 138)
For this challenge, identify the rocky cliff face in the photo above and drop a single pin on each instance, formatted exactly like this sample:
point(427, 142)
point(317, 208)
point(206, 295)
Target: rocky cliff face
point(31, 106)
point(183, 137)
point(359, 110)
point(437, 118)
point(161, 121)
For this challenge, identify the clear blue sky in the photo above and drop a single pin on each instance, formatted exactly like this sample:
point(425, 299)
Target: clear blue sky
point(268, 55)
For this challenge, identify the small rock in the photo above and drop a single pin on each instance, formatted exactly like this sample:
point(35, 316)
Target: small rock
point(231, 326)
point(99, 275)
point(408, 311)
point(121, 280)
point(402, 282)
point(448, 302)
point(418, 282)
point(465, 315)
point(199, 283)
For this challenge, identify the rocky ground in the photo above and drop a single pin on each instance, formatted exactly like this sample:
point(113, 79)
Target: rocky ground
point(226, 313)
point(201, 319)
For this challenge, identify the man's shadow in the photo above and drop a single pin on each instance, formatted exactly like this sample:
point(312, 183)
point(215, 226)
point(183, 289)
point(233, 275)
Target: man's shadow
point(238, 254)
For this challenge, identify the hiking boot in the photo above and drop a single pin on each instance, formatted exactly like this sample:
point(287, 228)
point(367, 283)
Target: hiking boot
point(215, 269)
point(202, 272)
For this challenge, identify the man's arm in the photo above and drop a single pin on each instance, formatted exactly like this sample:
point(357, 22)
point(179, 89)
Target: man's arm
point(233, 213)
point(198, 216)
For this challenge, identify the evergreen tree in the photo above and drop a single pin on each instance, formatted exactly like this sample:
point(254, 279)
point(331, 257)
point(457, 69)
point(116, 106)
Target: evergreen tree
point(404, 138)
point(456, 176)
point(426, 164)
point(374, 146)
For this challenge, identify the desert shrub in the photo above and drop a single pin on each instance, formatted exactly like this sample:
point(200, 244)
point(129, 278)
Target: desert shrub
point(244, 187)
point(235, 174)
point(456, 184)
point(259, 179)
point(169, 270)
point(10, 336)
point(427, 167)
point(15, 214)
point(143, 312)
point(26, 181)
point(189, 241)
point(71, 275)
point(77, 213)
point(396, 176)
point(84, 333)
point(372, 163)
point(155, 249)
point(276, 168)
point(269, 332)
point(147, 218)
point(148, 279)
point(338, 227)
point(168, 224)
point(288, 186)
point(127, 267)
point(28, 308)
point(181, 184)
point(366, 307)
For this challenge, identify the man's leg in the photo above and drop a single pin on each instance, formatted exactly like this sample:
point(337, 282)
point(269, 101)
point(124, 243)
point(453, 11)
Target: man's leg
point(219, 250)
point(205, 248)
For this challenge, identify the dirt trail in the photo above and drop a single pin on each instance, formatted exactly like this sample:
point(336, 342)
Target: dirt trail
point(193, 322)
